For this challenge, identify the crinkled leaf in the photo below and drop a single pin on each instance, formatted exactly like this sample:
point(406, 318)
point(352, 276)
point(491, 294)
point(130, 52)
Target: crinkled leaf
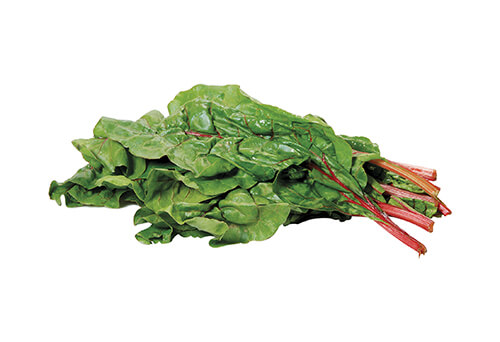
point(144, 215)
point(98, 197)
point(141, 140)
point(194, 154)
point(271, 216)
point(263, 193)
point(107, 155)
point(239, 207)
point(217, 185)
point(166, 194)
point(155, 234)
point(254, 155)
point(56, 190)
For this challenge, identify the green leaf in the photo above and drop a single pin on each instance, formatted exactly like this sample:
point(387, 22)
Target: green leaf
point(271, 216)
point(78, 196)
point(102, 153)
point(426, 208)
point(259, 157)
point(213, 227)
point(153, 119)
point(144, 215)
point(263, 193)
point(239, 207)
point(141, 140)
point(86, 177)
point(358, 170)
point(193, 154)
point(165, 194)
point(192, 233)
point(106, 155)
point(56, 190)
point(217, 185)
point(155, 234)
point(114, 182)
point(361, 144)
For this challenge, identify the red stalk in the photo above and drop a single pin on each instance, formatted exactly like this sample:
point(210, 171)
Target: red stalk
point(444, 209)
point(404, 237)
point(424, 172)
point(200, 134)
point(391, 190)
point(383, 220)
point(409, 216)
point(428, 187)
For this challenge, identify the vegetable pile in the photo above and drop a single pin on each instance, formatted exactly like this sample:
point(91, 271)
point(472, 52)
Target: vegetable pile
point(224, 165)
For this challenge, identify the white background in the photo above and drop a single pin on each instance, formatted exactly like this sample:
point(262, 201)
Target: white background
point(420, 78)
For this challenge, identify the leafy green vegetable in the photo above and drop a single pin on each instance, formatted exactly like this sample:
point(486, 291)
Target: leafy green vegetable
point(224, 165)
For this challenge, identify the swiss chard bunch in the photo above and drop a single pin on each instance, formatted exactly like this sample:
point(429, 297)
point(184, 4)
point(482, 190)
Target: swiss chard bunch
point(224, 165)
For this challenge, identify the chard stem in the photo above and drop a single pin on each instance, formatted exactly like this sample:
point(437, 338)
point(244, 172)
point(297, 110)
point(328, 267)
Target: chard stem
point(444, 209)
point(428, 187)
point(391, 190)
point(404, 237)
point(382, 219)
point(409, 216)
point(424, 172)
